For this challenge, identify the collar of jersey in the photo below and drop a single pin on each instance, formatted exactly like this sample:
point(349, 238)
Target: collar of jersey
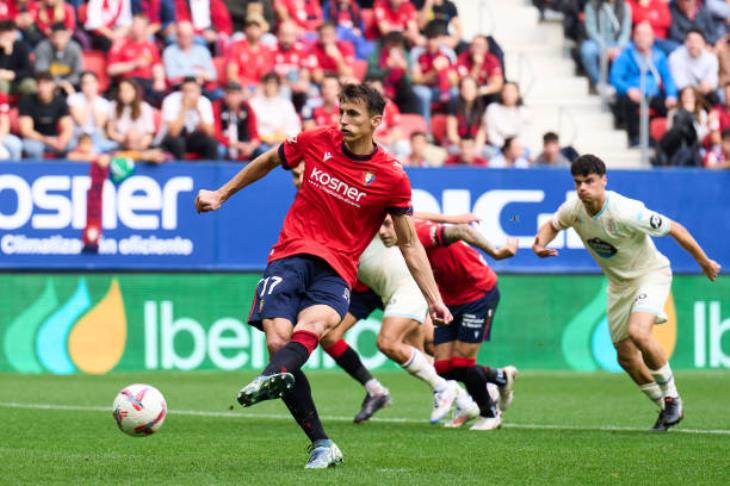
point(603, 209)
point(353, 156)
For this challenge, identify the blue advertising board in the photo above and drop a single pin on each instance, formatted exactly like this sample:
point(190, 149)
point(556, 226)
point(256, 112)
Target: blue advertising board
point(149, 222)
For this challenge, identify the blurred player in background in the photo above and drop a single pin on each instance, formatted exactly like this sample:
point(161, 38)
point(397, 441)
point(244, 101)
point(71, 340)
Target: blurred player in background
point(616, 231)
point(469, 288)
point(349, 184)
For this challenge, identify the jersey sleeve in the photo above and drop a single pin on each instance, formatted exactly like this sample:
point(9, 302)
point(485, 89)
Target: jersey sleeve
point(563, 218)
point(400, 202)
point(291, 150)
point(649, 222)
point(431, 235)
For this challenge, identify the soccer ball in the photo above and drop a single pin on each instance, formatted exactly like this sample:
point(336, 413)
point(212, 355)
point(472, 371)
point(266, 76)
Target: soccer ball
point(139, 410)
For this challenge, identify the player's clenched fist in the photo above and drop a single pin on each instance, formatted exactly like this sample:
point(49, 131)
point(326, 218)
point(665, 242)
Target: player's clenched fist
point(440, 314)
point(712, 269)
point(207, 201)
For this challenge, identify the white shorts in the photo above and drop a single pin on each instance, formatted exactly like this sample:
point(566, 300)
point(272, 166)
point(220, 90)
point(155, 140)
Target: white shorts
point(407, 301)
point(646, 294)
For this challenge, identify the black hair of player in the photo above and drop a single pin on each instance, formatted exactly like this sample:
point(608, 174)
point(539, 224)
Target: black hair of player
point(586, 165)
point(374, 101)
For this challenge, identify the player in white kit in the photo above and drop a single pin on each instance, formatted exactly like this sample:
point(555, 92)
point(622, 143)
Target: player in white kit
point(384, 272)
point(617, 233)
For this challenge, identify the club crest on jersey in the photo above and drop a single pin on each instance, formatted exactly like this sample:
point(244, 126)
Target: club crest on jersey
point(326, 156)
point(369, 178)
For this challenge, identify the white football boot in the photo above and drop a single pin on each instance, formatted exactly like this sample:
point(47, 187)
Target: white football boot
point(488, 423)
point(506, 392)
point(443, 401)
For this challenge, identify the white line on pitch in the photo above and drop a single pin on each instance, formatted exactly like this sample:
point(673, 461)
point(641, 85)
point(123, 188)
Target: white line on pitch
point(339, 418)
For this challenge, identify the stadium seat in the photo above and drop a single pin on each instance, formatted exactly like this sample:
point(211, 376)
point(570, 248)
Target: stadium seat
point(438, 128)
point(95, 61)
point(14, 121)
point(410, 123)
point(370, 29)
point(220, 69)
point(360, 69)
point(658, 128)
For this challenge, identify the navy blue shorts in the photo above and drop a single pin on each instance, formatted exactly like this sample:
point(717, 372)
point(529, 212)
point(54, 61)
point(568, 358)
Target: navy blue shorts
point(364, 303)
point(472, 321)
point(294, 283)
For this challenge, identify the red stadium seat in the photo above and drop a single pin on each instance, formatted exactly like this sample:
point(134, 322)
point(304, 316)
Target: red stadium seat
point(220, 69)
point(14, 121)
point(438, 128)
point(657, 128)
point(410, 123)
point(370, 25)
point(360, 69)
point(95, 61)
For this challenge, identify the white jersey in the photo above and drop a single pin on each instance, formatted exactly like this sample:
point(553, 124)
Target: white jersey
point(383, 269)
point(618, 237)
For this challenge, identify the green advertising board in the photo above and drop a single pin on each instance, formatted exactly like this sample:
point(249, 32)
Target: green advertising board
point(97, 323)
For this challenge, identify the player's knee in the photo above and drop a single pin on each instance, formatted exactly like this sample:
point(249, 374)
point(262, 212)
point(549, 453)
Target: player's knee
point(275, 342)
point(639, 335)
point(386, 344)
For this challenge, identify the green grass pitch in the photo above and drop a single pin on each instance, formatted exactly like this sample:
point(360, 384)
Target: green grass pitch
point(562, 428)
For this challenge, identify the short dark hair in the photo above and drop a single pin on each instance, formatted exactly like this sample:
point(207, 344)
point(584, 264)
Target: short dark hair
point(44, 76)
point(507, 142)
point(373, 100)
point(550, 137)
point(434, 29)
point(270, 76)
point(190, 79)
point(329, 23)
point(695, 30)
point(725, 134)
point(7, 25)
point(394, 38)
point(418, 133)
point(58, 27)
point(588, 164)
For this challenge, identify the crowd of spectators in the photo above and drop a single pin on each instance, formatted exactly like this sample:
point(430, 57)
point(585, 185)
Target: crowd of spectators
point(158, 80)
point(681, 48)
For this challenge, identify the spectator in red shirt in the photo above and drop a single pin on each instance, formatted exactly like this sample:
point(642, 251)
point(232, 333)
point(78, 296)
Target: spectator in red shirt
point(326, 111)
point(211, 20)
point(388, 134)
point(719, 156)
point(483, 66)
point(656, 12)
point(53, 11)
point(139, 59)
point(443, 11)
point(306, 14)
point(160, 13)
point(468, 154)
point(465, 119)
point(330, 55)
point(292, 62)
point(249, 59)
point(719, 119)
point(389, 62)
point(235, 126)
point(400, 16)
point(433, 71)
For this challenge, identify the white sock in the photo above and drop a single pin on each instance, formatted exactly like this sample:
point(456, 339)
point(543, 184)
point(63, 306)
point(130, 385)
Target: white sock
point(419, 367)
point(463, 399)
point(374, 387)
point(653, 392)
point(665, 379)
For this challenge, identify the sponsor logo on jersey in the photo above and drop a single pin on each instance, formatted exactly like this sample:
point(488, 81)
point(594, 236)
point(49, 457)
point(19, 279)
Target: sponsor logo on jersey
point(603, 249)
point(369, 178)
point(336, 186)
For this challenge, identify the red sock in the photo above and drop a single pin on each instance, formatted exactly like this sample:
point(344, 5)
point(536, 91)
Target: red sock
point(337, 349)
point(307, 339)
point(443, 366)
point(92, 232)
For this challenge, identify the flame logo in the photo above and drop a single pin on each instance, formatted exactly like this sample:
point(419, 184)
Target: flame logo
point(586, 342)
point(70, 337)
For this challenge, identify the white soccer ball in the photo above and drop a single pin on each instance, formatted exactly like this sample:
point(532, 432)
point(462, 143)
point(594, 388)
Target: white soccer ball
point(139, 410)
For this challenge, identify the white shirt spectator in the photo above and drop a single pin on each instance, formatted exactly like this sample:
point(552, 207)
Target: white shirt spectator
point(97, 105)
point(172, 104)
point(124, 124)
point(108, 13)
point(506, 121)
point(690, 71)
point(276, 118)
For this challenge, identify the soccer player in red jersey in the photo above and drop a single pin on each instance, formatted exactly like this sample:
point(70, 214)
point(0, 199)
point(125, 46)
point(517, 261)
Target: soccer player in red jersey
point(349, 185)
point(472, 298)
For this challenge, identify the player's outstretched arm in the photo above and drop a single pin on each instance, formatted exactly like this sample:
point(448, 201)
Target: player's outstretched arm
point(545, 235)
point(417, 261)
point(255, 170)
point(463, 232)
point(680, 234)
